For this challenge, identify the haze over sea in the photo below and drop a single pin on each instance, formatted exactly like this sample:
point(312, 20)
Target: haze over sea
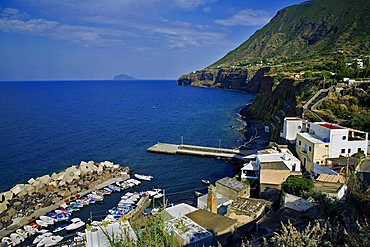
point(47, 126)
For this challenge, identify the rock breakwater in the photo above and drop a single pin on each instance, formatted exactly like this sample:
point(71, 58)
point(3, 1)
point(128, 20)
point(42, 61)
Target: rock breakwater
point(21, 203)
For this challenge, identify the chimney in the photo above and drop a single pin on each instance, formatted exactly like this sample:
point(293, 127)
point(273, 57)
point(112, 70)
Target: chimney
point(212, 199)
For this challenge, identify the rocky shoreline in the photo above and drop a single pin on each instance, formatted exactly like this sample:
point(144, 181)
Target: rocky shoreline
point(25, 202)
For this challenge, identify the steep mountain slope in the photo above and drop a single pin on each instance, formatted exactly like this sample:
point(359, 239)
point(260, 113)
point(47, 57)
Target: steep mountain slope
point(304, 48)
point(308, 30)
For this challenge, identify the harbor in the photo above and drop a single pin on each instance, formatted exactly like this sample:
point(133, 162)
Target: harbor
point(213, 152)
point(70, 190)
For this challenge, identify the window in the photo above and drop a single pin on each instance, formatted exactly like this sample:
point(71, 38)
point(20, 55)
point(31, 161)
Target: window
point(344, 137)
point(309, 148)
point(349, 151)
point(359, 150)
point(343, 151)
point(326, 146)
point(299, 127)
point(299, 143)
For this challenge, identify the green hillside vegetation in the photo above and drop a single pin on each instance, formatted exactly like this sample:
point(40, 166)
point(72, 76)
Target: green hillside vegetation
point(313, 29)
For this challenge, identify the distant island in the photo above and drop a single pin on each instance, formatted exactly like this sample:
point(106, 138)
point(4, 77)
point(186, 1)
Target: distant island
point(122, 77)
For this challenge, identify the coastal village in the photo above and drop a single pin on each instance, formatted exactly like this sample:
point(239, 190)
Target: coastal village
point(251, 203)
point(286, 192)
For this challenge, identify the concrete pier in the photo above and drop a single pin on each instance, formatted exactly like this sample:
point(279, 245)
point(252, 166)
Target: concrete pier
point(198, 151)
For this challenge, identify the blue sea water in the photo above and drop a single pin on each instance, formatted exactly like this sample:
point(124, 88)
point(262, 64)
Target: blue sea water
point(49, 125)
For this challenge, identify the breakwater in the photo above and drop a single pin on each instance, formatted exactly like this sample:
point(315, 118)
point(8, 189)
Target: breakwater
point(24, 203)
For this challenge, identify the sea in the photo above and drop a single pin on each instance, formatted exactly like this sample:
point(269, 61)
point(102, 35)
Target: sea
point(47, 126)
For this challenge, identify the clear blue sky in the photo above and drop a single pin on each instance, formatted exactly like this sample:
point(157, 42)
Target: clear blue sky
point(147, 39)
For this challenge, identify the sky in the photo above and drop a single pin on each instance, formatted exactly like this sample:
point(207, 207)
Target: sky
point(146, 39)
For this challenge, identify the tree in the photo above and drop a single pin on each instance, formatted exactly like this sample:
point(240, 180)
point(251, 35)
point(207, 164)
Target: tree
point(298, 186)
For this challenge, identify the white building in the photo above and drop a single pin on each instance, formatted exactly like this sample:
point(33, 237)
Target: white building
point(96, 236)
point(292, 126)
point(342, 141)
point(251, 170)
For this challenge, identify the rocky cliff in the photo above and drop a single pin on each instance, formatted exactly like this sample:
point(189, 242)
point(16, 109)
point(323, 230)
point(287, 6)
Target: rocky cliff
point(228, 78)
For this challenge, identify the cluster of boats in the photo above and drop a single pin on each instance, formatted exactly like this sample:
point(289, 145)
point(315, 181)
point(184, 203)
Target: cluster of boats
point(64, 213)
point(128, 202)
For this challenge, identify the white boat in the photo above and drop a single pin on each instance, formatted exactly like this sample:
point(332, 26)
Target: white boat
point(60, 228)
point(22, 233)
point(42, 231)
point(151, 192)
point(158, 195)
point(30, 230)
point(16, 238)
point(41, 237)
point(143, 177)
point(48, 220)
point(6, 242)
point(76, 223)
point(53, 240)
point(41, 223)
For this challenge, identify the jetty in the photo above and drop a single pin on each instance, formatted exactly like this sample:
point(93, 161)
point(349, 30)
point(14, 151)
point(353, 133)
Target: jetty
point(214, 152)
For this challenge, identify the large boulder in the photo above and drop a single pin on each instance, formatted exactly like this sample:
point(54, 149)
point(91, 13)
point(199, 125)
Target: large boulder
point(54, 176)
point(17, 189)
point(3, 207)
point(44, 179)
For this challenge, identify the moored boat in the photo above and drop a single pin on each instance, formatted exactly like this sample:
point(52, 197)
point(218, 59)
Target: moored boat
point(48, 220)
point(30, 229)
point(16, 238)
point(60, 228)
point(76, 223)
point(143, 177)
point(197, 193)
point(41, 237)
point(206, 182)
point(42, 223)
point(22, 233)
point(6, 241)
point(53, 240)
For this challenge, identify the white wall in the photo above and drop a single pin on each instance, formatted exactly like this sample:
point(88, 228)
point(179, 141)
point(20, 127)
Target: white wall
point(337, 142)
point(291, 128)
point(319, 131)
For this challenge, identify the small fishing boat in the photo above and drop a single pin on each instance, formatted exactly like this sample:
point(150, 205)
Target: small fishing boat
point(103, 192)
point(41, 237)
point(206, 182)
point(85, 201)
point(143, 177)
point(42, 231)
point(76, 205)
point(6, 241)
point(22, 233)
point(96, 197)
point(42, 223)
point(158, 195)
point(16, 238)
point(59, 228)
point(114, 187)
point(76, 223)
point(53, 240)
point(30, 229)
point(48, 220)
point(151, 192)
point(52, 214)
point(197, 193)
point(63, 216)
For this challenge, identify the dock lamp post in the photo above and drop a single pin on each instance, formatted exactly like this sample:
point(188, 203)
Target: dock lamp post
point(219, 143)
point(182, 140)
